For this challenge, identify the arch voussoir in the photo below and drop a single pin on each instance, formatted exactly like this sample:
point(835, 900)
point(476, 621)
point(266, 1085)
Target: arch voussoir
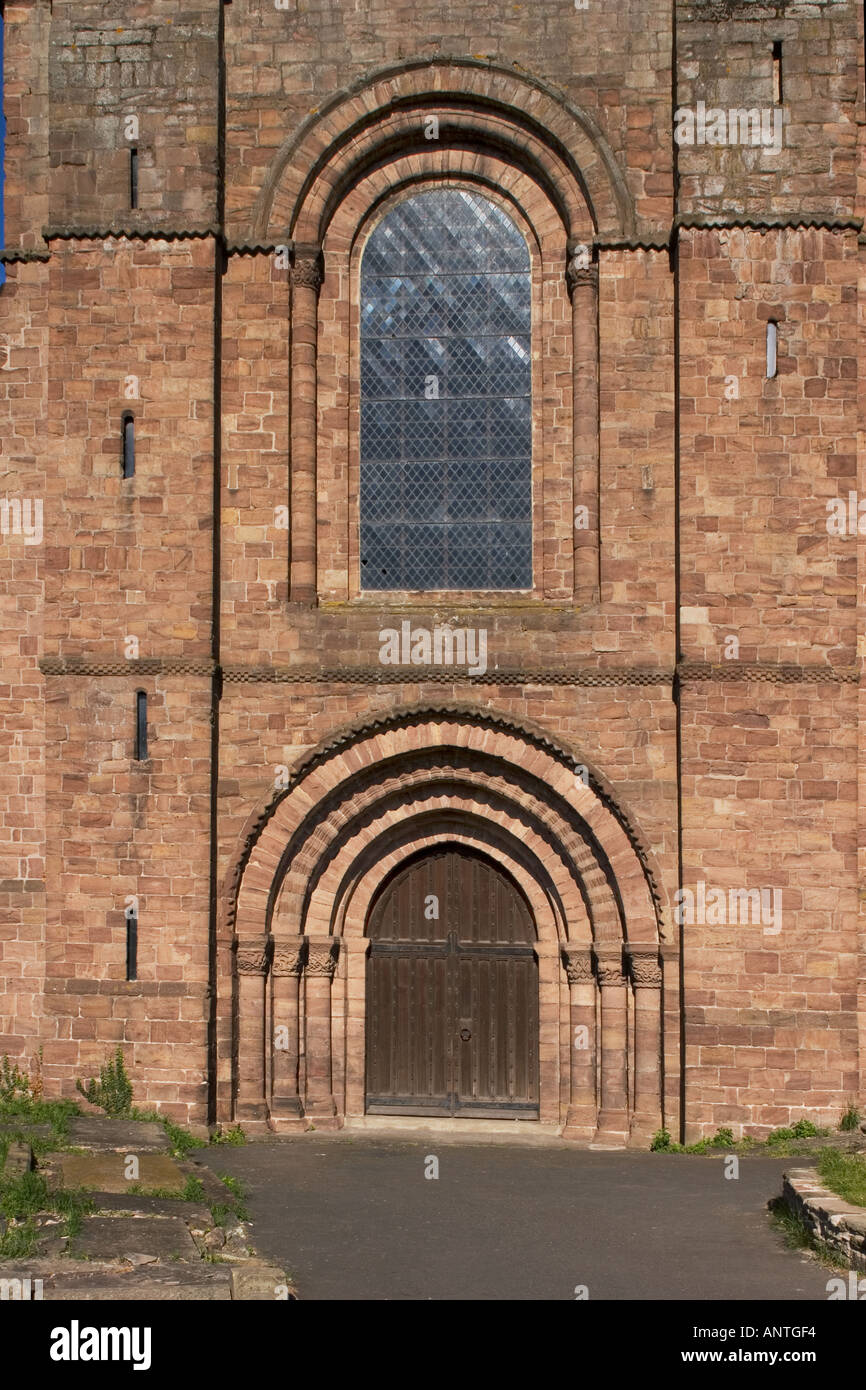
point(560, 141)
point(414, 782)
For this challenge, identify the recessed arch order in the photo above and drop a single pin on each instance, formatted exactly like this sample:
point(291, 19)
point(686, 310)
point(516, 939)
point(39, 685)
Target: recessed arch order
point(419, 781)
point(478, 107)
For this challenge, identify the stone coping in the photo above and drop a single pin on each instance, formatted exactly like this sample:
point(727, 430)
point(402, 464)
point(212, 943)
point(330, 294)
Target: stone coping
point(840, 1224)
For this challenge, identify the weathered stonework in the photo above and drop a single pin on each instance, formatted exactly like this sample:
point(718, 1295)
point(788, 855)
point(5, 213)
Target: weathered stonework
point(839, 1224)
point(619, 746)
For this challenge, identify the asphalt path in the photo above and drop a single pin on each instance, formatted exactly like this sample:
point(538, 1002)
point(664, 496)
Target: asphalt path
point(356, 1218)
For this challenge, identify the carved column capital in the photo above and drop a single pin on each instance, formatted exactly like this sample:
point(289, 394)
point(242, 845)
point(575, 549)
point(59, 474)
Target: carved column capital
point(252, 958)
point(609, 966)
point(307, 267)
point(288, 955)
point(579, 269)
point(321, 957)
point(578, 964)
point(646, 972)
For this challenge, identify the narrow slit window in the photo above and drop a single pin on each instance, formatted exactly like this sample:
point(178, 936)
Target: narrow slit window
point(131, 944)
point(772, 343)
point(133, 178)
point(777, 74)
point(128, 467)
point(140, 726)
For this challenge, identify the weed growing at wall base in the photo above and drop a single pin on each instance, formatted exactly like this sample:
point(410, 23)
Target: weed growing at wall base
point(113, 1091)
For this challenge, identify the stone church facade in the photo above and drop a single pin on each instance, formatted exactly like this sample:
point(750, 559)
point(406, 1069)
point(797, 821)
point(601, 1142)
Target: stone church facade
point(431, 657)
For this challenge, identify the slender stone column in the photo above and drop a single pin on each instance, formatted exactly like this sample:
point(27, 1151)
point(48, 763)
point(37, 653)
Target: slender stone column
point(318, 974)
point(669, 952)
point(306, 283)
point(252, 963)
point(613, 1116)
point(353, 951)
point(286, 969)
point(646, 974)
point(582, 1115)
point(582, 281)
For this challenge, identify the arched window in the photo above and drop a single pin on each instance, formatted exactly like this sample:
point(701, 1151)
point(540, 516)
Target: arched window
point(446, 408)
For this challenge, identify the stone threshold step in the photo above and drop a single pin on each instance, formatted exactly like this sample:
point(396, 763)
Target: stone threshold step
point(111, 1136)
point(246, 1281)
point(153, 1283)
point(107, 1203)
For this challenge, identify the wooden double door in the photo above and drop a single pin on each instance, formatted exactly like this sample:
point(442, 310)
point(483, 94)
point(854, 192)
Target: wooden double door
point(452, 992)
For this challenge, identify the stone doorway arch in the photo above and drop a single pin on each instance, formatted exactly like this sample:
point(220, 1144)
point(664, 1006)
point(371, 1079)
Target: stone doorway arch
point(384, 792)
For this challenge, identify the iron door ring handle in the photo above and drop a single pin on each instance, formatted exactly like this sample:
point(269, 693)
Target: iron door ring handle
point(465, 1034)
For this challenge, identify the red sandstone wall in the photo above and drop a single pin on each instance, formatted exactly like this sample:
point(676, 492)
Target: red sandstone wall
point(769, 801)
point(26, 28)
point(611, 60)
point(117, 828)
point(131, 557)
point(23, 406)
point(757, 470)
point(156, 62)
point(769, 768)
point(767, 775)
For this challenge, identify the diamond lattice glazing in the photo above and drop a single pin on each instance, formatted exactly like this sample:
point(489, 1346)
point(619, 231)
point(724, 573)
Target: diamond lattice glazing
point(446, 423)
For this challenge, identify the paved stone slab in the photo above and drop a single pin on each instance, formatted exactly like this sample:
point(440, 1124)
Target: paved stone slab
point(116, 1237)
point(214, 1189)
point(31, 1131)
point(50, 1243)
point(105, 1172)
point(257, 1281)
point(191, 1212)
point(19, 1160)
point(108, 1283)
point(131, 1136)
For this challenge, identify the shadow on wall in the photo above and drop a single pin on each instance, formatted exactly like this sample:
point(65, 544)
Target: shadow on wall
point(2, 152)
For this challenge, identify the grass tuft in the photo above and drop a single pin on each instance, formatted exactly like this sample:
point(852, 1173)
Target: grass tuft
point(235, 1135)
point(844, 1174)
point(24, 1197)
point(797, 1236)
point(782, 1143)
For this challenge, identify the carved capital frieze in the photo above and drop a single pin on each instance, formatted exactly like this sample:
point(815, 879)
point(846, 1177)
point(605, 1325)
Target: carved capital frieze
point(252, 959)
point(288, 956)
point(609, 967)
point(307, 268)
point(646, 971)
point(321, 959)
point(578, 964)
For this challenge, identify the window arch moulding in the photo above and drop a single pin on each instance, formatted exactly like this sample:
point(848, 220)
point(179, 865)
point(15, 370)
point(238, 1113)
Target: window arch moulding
point(564, 458)
point(512, 139)
point(476, 103)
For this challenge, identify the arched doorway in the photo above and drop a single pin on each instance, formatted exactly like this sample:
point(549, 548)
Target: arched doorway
point(452, 992)
point(589, 914)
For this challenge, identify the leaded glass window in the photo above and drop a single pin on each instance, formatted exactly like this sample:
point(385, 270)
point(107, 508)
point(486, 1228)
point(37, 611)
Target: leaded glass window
point(446, 409)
